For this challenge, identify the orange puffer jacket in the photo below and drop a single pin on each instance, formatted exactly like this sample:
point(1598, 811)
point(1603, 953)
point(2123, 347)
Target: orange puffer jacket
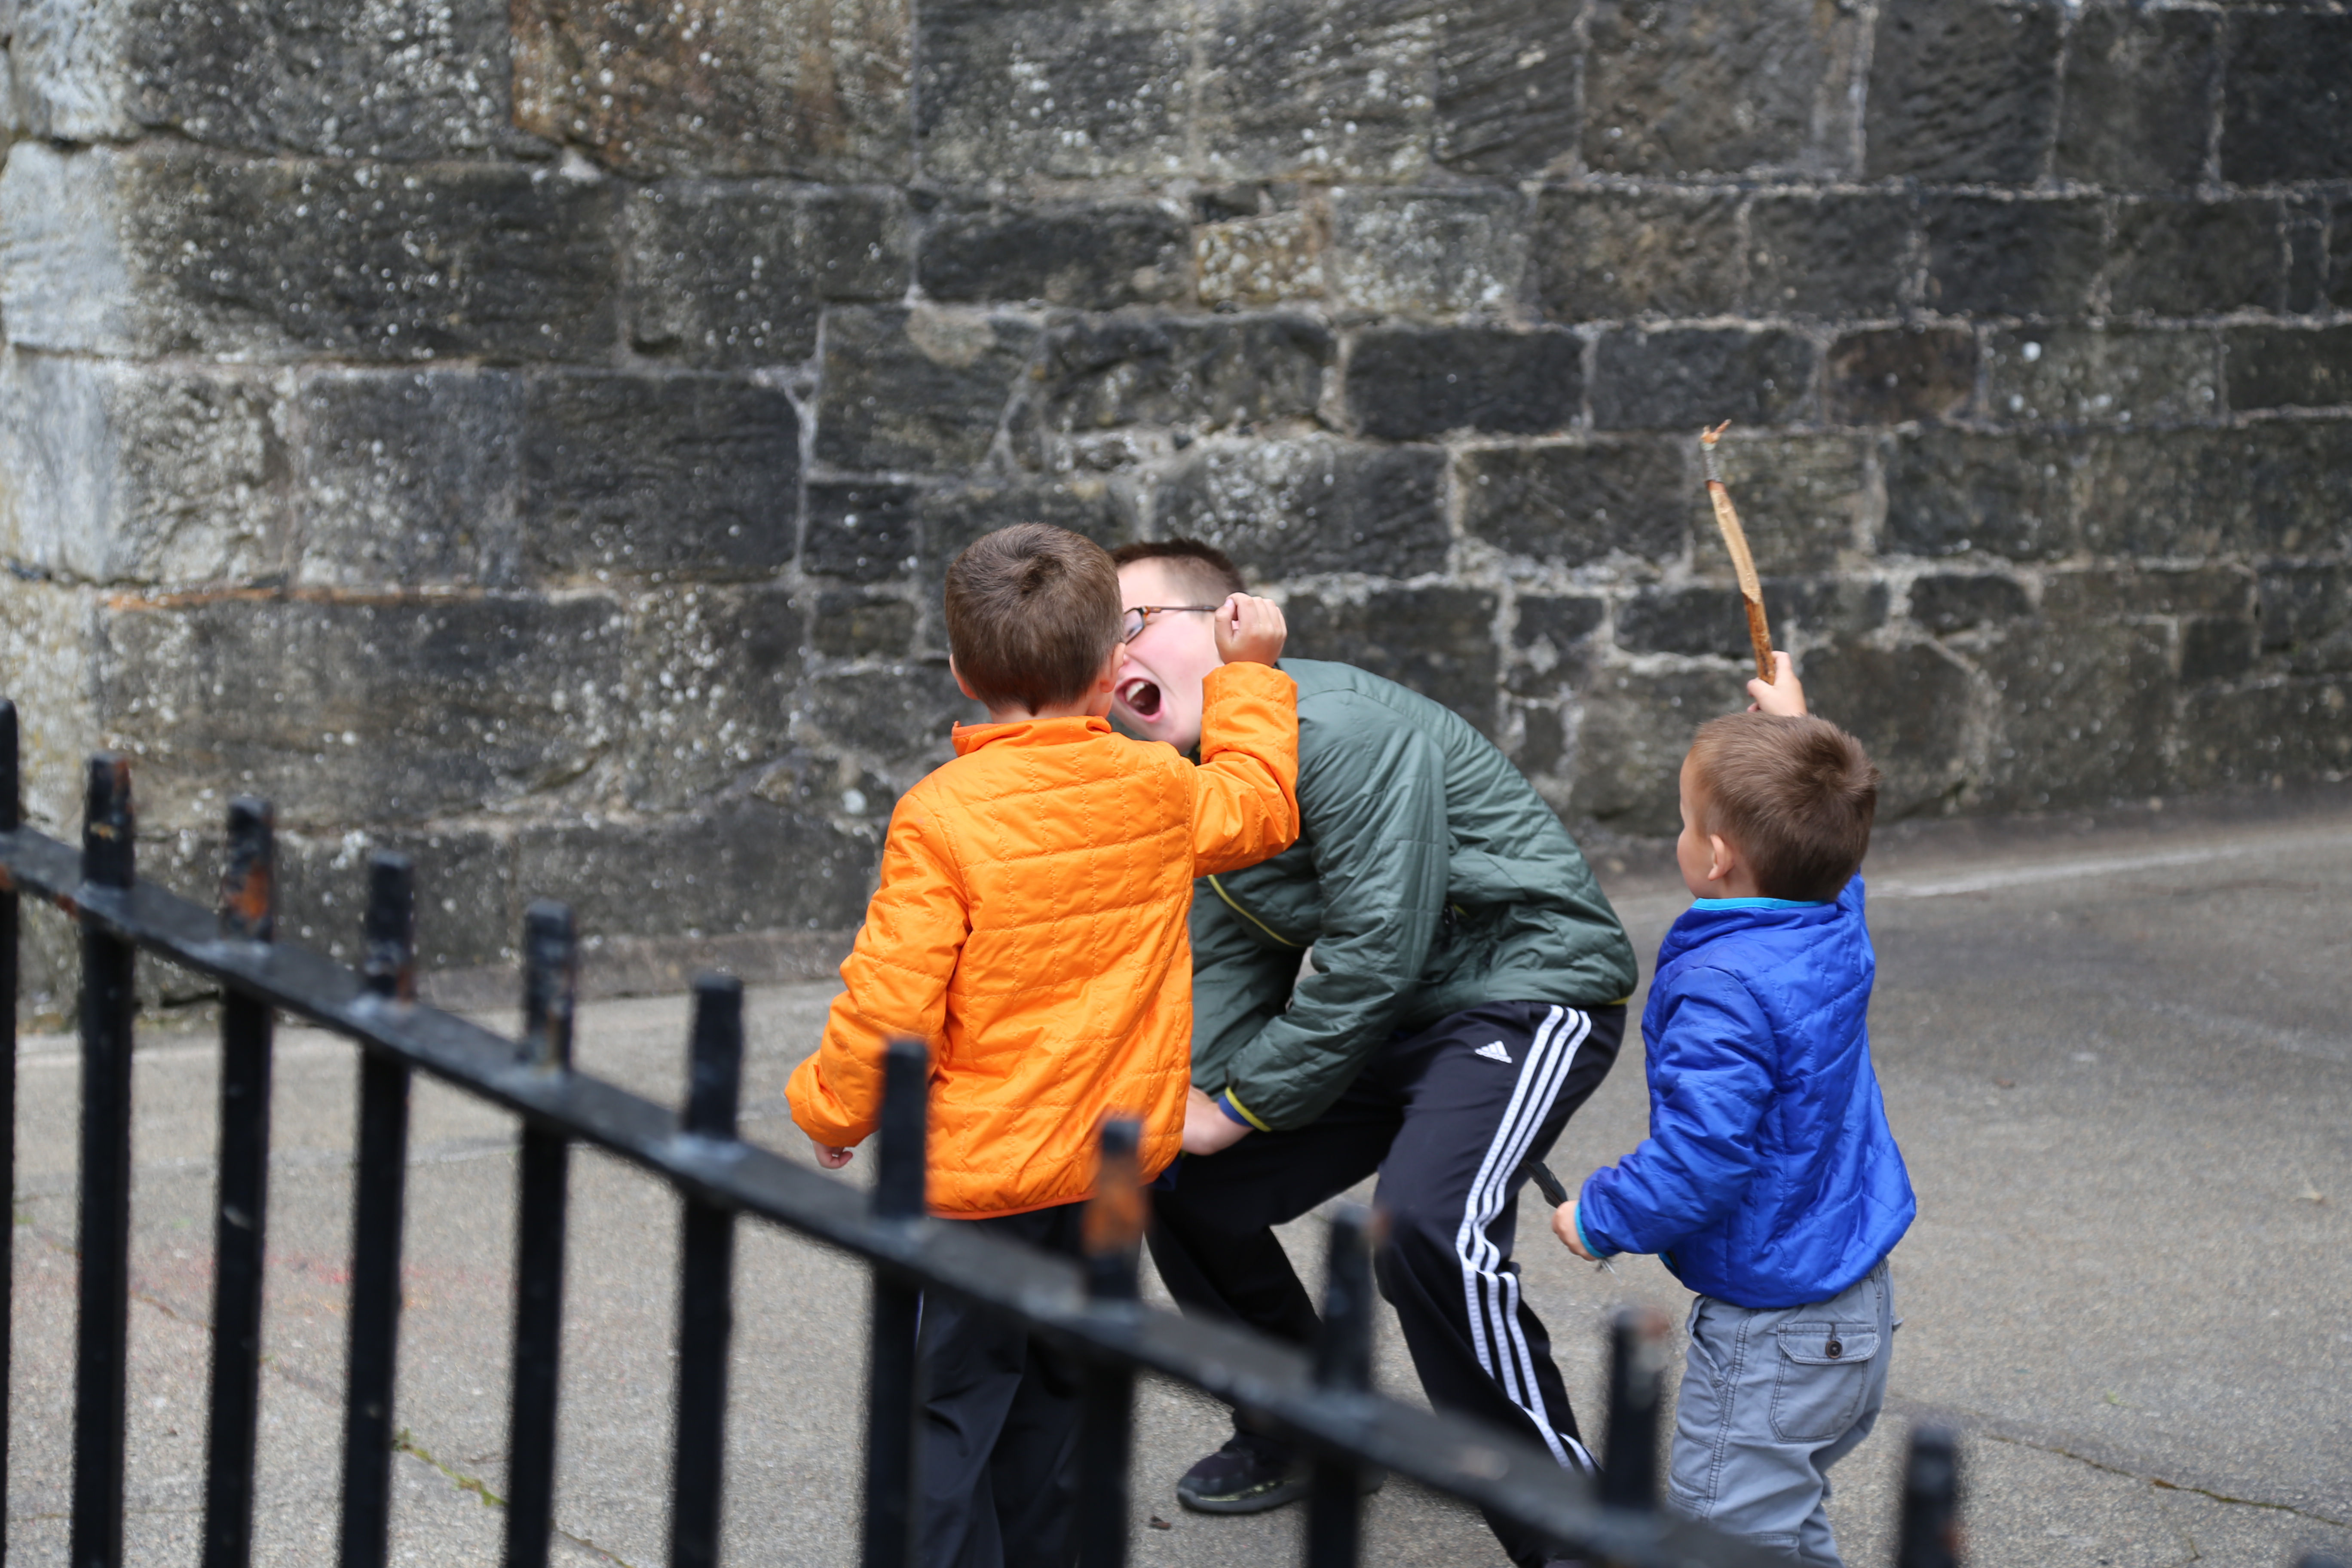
point(1029, 926)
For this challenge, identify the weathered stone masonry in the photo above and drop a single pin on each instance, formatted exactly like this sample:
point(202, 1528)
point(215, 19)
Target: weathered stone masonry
point(532, 437)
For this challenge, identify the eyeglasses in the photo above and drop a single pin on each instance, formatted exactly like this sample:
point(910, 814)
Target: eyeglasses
point(1131, 624)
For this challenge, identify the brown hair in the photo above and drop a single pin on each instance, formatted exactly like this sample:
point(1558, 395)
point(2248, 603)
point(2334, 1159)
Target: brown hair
point(1032, 613)
point(1796, 795)
point(1205, 569)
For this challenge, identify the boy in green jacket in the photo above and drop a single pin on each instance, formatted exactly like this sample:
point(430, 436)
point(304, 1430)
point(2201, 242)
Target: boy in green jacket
point(1465, 995)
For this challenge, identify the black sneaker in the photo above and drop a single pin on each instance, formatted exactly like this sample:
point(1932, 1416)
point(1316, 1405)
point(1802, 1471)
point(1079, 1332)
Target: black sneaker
point(1249, 1475)
point(1252, 1474)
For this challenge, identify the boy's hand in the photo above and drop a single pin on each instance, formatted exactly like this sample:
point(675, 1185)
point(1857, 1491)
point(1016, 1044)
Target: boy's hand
point(1249, 630)
point(1208, 1128)
point(1564, 1219)
point(1783, 696)
point(830, 1157)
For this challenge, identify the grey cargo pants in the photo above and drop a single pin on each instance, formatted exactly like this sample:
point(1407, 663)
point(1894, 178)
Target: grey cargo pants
point(1771, 1399)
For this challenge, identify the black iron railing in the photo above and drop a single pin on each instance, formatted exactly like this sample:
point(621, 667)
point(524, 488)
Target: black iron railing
point(1324, 1402)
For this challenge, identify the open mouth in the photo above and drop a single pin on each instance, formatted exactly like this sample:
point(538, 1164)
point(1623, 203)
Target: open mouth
point(1141, 697)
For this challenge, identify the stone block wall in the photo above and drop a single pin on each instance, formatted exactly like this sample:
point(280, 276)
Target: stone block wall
point(532, 434)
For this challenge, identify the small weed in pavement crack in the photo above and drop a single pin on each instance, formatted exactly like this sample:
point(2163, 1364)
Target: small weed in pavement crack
point(406, 1443)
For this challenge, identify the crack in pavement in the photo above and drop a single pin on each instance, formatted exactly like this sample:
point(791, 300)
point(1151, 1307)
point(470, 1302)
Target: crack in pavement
point(2156, 1484)
point(2132, 1466)
point(406, 1443)
point(139, 1291)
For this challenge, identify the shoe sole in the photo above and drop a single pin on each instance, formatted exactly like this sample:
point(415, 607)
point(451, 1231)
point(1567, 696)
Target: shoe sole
point(1280, 1495)
point(1266, 1499)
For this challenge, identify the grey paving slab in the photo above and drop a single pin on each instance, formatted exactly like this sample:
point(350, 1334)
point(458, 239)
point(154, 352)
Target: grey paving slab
point(2118, 1065)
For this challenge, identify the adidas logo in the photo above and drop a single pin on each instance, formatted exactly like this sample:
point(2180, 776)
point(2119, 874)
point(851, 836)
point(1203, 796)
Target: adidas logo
point(1494, 1052)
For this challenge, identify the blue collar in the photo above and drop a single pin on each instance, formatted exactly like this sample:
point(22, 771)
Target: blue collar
point(1709, 920)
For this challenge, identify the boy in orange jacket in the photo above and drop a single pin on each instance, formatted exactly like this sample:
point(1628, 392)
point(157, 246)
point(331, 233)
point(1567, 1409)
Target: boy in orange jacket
point(1029, 926)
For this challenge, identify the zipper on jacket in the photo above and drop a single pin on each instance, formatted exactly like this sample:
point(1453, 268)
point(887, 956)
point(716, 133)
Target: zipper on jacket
point(1272, 935)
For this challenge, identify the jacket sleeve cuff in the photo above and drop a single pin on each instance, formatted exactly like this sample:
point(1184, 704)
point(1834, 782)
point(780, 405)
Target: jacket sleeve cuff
point(1583, 1232)
point(1234, 1109)
point(818, 1113)
point(1266, 677)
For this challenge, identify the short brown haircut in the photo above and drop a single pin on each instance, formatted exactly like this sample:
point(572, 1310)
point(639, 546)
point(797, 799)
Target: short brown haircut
point(1031, 611)
point(1208, 570)
point(1795, 796)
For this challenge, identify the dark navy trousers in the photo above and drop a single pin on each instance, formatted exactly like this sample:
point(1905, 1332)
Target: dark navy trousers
point(1447, 1117)
point(1000, 1442)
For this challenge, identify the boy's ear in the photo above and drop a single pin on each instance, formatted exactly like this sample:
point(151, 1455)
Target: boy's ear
point(961, 684)
point(1721, 858)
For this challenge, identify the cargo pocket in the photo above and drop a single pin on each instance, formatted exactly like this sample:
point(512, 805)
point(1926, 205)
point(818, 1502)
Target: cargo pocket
point(1824, 1373)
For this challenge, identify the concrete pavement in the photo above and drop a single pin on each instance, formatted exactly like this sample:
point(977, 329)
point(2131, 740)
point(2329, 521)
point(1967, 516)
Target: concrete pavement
point(2117, 1062)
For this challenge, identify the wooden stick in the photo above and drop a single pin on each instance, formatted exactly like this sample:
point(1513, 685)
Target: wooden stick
point(1751, 590)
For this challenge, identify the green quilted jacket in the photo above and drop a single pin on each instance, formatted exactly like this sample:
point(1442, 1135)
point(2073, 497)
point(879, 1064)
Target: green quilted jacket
point(1428, 878)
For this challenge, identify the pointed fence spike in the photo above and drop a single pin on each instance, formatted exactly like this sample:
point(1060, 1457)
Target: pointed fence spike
point(389, 963)
point(1637, 1372)
point(1343, 1352)
point(248, 912)
point(1110, 1235)
point(12, 817)
point(1930, 1535)
point(715, 1086)
point(893, 1392)
point(1113, 1227)
point(898, 1183)
point(109, 1005)
point(11, 779)
point(705, 1315)
point(1343, 1364)
point(249, 890)
point(109, 828)
point(550, 983)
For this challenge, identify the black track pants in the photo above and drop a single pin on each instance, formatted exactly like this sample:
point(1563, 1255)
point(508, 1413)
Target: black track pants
point(1447, 1117)
point(1000, 1439)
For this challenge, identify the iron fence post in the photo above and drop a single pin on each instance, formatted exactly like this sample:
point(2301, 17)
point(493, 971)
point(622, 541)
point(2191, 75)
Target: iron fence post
point(893, 1387)
point(1637, 1374)
point(1929, 1532)
point(108, 1003)
point(550, 989)
point(1113, 1237)
point(241, 1204)
point(380, 1190)
point(1343, 1364)
point(12, 817)
point(705, 1314)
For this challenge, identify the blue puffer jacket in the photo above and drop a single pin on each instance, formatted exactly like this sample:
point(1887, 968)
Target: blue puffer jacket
point(1769, 1177)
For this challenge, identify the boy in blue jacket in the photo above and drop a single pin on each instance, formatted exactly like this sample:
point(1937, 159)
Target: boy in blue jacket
point(1770, 1183)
